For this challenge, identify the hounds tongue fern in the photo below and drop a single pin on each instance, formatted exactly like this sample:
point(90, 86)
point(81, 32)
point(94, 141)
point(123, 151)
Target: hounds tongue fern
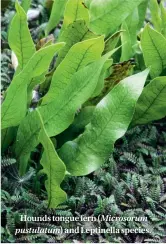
point(54, 168)
point(15, 105)
point(89, 151)
point(20, 39)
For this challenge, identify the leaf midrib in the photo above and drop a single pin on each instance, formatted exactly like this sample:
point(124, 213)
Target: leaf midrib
point(107, 124)
point(156, 49)
point(67, 102)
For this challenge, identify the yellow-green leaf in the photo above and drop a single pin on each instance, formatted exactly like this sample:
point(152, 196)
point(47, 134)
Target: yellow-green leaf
point(155, 14)
point(127, 51)
point(152, 102)
point(54, 168)
point(58, 114)
point(75, 10)
point(19, 38)
point(78, 57)
point(56, 15)
point(112, 41)
point(110, 121)
point(15, 105)
point(106, 16)
point(25, 4)
point(142, 8)
point(75, 32)
point(129, 35)
point(7, 137)
point(29, 128)
point(154, 50)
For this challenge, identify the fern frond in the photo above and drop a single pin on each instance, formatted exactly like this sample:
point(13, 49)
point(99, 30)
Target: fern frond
point(65, 213)
point(130, 157)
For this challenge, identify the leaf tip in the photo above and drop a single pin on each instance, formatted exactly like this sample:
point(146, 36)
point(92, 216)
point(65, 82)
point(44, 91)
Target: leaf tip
point(19, 9)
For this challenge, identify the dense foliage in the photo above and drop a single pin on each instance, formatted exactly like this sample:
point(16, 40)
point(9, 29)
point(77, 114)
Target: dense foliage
point(88, 101)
